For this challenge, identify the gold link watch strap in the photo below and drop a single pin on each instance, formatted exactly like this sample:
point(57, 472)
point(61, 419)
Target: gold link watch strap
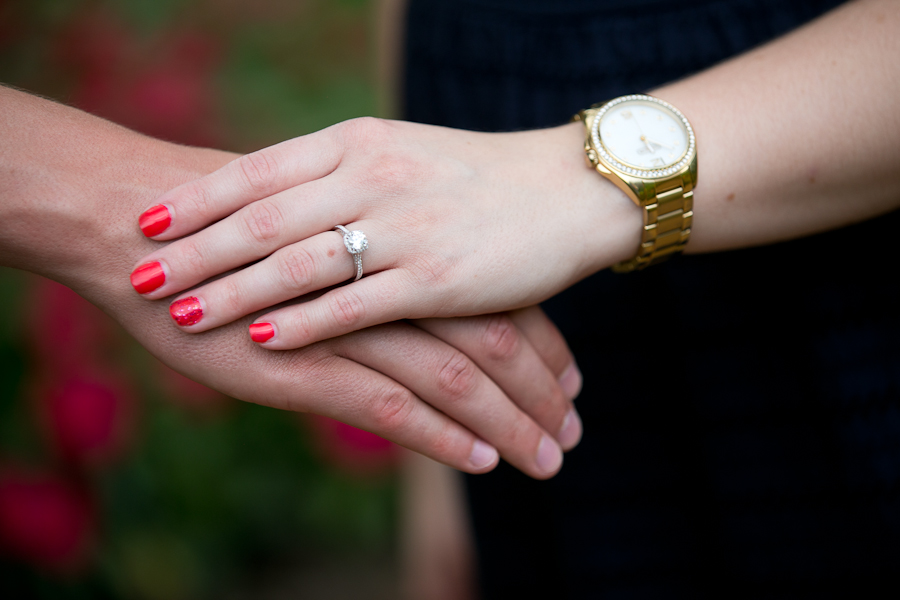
point(667, 226)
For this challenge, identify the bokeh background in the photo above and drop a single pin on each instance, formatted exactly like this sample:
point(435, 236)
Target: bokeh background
point(118, 477)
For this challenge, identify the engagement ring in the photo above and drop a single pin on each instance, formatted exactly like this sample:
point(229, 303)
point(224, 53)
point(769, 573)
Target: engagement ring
point(356, 243)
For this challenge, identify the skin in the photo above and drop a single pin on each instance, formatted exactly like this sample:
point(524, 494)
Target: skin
point(459, 390)
point(465, 223)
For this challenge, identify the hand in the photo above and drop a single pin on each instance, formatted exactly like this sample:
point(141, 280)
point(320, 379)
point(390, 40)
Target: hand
point(452, 390)
point(459, 223)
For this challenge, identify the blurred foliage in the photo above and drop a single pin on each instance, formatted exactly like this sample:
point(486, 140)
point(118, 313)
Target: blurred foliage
point(172, 491)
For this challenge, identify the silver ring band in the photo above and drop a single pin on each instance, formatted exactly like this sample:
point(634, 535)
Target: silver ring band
point(356, 243)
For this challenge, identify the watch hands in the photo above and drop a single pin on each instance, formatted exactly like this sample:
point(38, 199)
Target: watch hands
point(643, 136)
point(666, 146)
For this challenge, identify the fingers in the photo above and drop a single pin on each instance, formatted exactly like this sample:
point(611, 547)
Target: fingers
point(253, 232)
point(253, 176)
point(360, 396)
point(316, 263)
point(497, 345)
point(453, 384)
point(550, 344)
point(373, 300)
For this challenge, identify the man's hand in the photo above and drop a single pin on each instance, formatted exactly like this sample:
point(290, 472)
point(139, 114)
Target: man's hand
point(72, 187)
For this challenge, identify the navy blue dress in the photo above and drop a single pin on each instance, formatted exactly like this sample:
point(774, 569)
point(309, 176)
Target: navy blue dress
point(772, 470)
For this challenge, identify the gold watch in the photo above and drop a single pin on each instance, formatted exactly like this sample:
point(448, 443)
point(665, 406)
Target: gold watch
point(646, 147)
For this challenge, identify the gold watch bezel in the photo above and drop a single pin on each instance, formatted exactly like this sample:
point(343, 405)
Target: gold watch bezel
point(665, 195)
point(612, 163)
point(639, 184)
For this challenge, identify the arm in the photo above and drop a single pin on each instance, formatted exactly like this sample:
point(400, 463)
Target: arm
point(798, 136)
point(791, 138)
point(71, 186)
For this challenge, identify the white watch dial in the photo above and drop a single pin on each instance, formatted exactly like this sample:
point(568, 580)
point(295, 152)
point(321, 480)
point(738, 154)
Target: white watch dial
point(645, 135)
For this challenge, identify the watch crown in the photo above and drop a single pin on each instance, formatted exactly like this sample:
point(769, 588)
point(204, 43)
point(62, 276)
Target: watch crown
point(592, 157)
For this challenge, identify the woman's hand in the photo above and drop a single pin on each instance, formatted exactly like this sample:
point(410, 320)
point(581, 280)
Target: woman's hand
point(459, 223)
point(456, 390)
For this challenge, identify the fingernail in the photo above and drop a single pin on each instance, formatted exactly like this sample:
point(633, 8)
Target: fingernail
point(147, 278)
point(483, 455)
point(549, 456)
point(186, 311)
point(570, 432)
point(155, 220)
point(570, 381)
point(261, 332)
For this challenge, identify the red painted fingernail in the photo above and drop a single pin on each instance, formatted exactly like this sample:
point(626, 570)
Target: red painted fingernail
point(155, 220)
point(147, 278)
point(186, 311)
point(261, 332)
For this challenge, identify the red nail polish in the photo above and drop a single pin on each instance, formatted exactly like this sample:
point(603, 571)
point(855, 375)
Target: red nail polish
point(155, 220)
point(186, 311)
point(148, 277)
point(261, 332)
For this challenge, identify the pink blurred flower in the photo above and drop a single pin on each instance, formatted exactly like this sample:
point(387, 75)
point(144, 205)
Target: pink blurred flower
point(44, 520)
point(351, 449)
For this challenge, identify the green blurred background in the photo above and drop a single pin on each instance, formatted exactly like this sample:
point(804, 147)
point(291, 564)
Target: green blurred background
point(118, 477)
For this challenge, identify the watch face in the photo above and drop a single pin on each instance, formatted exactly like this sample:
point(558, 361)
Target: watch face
point(643, 136)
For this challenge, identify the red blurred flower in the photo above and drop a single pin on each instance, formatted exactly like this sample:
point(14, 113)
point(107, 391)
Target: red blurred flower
point(67, 331)
point(7, 23)
point(89, 420)
point(44, 520)
point(162, 87)
point(93, 45)
point(351, 449)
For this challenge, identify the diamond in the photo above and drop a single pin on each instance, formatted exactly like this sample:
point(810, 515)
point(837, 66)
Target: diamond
point(355, 242)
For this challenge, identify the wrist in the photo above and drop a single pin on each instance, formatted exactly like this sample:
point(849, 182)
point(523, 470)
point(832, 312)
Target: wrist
point(604, 220)
point(109, 240)
point(73, 186)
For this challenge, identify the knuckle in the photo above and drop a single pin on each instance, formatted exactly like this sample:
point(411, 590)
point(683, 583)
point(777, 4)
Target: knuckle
point(523, 434)
point(445, 444)
point(558, 407)
point(263, 221)
point(392, 408)
point(300, 326)
point(551, 406)
point(229, 296)
point(347, 308)
point(430, 269)
point(365, 129)
point(501, 338)
point(395, 169)
point(297, 268)
point(393, 172)
point(197, 199)
point(389, 167)
point(191, 255)
point(457, 378)
point(258, 169)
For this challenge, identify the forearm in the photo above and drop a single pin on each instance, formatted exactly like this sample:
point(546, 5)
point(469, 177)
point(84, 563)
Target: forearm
point(71, 185)
point(799, 136)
